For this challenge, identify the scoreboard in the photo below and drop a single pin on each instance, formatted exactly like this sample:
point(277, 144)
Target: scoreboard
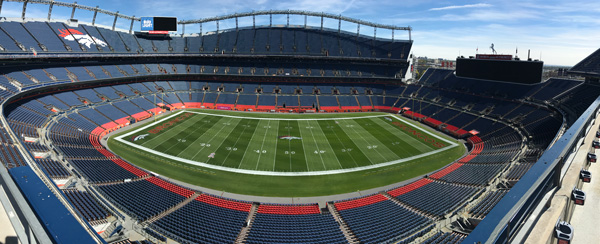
point(159, 25)
point(516, 71)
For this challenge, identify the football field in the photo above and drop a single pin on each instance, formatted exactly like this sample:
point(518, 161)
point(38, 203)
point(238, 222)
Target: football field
point(257, 145)
point(284, 155)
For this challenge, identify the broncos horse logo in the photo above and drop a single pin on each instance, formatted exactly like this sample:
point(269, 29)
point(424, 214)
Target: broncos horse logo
point(290, 138)
point(140, 137)
point(87, 40)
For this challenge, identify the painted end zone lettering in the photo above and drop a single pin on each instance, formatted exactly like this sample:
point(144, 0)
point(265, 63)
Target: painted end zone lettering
point(169, 124)
point(425, 138)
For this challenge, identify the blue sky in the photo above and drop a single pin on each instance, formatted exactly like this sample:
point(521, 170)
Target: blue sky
point(560, 32)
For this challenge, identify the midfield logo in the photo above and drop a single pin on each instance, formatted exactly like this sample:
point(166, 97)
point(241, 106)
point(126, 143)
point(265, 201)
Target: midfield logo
point(290, 138)
point(87, 40)
point(140, 137)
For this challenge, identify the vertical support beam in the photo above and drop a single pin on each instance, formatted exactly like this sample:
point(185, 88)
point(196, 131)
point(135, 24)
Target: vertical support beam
point(409, 36)
point(95, 14)
point(131, 25)
point(50, 9)
point(115, 22)
point(357, 30)
point(253, 21)
point(1, 2)
point(340, 25)
point(73, 11)
point(201, 29)
point(218, 37)
point(236, 24)
point(270, 20)
point(182, 30)
point(305, 21)
point(24, 8)
point(392, 35)
point(288, 20)
point(374, 33)
point(321, 22)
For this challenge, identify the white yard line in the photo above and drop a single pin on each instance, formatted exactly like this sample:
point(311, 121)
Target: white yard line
point(247, 148)
point(198, 138)
point(424, 130)
point(210, 141)
point(234, 144)
point(328, 144)
point(343, 145)
point(185, 122)
point(317, 145)
point(262, 145)
point(365, 140)
point(275, 150)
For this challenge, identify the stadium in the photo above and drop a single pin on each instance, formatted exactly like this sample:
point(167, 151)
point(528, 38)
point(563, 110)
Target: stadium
point(269, 132)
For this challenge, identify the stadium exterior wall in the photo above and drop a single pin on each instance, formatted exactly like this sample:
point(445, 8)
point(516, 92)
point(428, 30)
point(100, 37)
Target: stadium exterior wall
point(506, 219)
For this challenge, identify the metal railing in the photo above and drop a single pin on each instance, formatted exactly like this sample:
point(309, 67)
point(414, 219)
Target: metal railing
point(505, 220)
point(253, 14)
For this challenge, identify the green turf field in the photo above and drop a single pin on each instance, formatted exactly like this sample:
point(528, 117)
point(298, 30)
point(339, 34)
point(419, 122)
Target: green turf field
point(285, 148)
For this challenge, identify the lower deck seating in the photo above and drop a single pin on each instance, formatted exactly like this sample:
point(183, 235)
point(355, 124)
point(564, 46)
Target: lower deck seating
point(382, 221)
point(438, 198)
point(295, 228)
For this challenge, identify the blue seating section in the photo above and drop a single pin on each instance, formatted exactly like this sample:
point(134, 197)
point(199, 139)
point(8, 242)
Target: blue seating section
point(53, 168)
point(304, 228)
point(89, 207)
point(445, 238)
point(141, 199)
point(474, 174)
point(101, 170)
point(438, 198)
point(111, 112)
point(487, 203)
point(383, 221)
point(199, 222)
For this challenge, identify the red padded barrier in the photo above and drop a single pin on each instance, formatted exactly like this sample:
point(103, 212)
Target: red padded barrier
point(355, 203)
point(225, 203)
point(171, 187)
point(408, 188)
point(289, 209)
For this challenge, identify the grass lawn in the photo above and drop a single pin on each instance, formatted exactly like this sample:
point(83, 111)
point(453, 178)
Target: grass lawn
point(353, 151)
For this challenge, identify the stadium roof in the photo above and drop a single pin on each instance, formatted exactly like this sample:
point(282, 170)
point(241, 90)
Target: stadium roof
point(590, 66)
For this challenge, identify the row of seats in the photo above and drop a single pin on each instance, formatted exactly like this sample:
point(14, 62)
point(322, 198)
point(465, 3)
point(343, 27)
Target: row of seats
point(53, 168)
point(141, 198)
point(199, 222)
point(445, 238)
point(294, 209)
point(487, 203)
point(86, 205)
point(294, 228)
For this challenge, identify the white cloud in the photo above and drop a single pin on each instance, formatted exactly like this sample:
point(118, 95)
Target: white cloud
point(477, 5)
